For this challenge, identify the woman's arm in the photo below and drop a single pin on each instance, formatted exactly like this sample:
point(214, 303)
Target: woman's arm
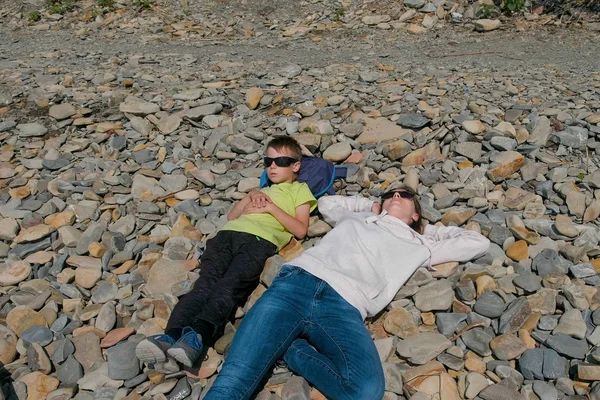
point(335, 207)
point(449, 243)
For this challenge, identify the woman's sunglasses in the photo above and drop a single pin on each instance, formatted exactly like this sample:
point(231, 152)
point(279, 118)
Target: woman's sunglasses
point(403, 193)
point(279, 161)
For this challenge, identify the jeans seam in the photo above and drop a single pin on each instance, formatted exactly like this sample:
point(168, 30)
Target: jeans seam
point(339, 348)
point(271, 361)
point(341, 378)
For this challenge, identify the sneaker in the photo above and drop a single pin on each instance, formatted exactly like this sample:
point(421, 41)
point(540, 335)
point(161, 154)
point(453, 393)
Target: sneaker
point(152, 349)
point(188, 347)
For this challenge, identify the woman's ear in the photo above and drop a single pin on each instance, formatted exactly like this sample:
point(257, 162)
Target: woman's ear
point(415, 217)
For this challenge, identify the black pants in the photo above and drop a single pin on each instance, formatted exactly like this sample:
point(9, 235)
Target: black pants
point(230, 269)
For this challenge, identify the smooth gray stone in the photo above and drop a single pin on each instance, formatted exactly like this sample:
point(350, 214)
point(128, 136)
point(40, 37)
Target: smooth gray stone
point(38, 334)
point(545, 391)
point(448, 322)
point(143, 156)
point(489, 305)
point(451, 361)
point(413, 120)
point(478, 340)
point(568, 346)
point(55, 165)
point(191, 209)
point(173, 183)
point(414, 3)
point(136, 380)
point(7, 125)
point(71, 326)
point(70, 371)
point(181, 390)
point(118, 142)
point(33, 129)
point(531, 364)
point(555, 366)
point(430, 213)
point(506, 372)
point(583, 270)
point(65, 349)
point(465, 290)
point(22, 250)
point(529, 282)
point(503, 143)
point(31, 205)
point(499, 234)
point(122, 361)
point(565, 385)
point(548, 322)
point(105, 291)
point(500, 391)
point(549, 262)
point(147, 207)
point(58, 265)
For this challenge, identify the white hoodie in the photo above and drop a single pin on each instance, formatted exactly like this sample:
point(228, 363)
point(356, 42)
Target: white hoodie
point(366, 258)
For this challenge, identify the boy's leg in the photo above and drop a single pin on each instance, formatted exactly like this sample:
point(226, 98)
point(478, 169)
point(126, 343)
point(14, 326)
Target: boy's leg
point(264, 335)
point(249, 256)
point(344, 363)
point(214, 263)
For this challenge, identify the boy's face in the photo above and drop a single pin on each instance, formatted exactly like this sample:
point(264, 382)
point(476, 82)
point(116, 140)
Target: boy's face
point(278, 174)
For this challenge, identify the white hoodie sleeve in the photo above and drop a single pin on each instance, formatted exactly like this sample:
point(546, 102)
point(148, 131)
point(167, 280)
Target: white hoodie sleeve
point(449, 243)
point(333, 208)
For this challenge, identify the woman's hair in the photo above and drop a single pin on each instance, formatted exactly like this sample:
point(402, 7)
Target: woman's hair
point(418, 224)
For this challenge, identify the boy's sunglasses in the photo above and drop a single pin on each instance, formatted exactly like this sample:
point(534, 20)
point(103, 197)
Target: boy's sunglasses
point(279, 161)
point(403, 193)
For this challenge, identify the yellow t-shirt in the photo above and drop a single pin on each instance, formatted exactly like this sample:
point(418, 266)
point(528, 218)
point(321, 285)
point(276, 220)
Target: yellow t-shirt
point(286, 196)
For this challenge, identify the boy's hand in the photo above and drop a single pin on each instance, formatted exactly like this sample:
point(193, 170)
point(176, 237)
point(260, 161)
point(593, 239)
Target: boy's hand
point(259, 199)
point(251, 209)
point(376, 208)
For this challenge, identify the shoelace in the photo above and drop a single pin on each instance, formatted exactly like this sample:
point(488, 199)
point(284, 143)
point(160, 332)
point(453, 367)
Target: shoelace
point(163, 338)
point(190, 338)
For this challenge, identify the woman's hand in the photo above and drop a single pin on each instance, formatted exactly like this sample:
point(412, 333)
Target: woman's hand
point(376, 208)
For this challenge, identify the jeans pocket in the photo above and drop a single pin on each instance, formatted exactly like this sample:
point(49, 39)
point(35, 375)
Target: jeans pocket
point(287, 271)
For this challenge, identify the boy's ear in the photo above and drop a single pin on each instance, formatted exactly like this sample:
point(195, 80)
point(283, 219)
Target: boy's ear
point(296, 167)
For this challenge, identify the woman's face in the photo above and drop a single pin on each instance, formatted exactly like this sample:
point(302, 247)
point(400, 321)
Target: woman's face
point(401, 207)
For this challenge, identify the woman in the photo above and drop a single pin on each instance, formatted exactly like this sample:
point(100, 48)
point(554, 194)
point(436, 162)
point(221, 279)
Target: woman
point(313, 313)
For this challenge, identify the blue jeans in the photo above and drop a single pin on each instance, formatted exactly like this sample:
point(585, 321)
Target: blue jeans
point(319, 334)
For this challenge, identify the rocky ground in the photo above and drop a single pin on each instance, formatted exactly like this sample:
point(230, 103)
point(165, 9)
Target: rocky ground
point(126, 136)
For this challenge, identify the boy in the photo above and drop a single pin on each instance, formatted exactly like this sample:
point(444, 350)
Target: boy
point(230, 267)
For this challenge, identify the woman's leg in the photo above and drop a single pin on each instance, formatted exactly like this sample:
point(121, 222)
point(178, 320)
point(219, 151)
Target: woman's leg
point(264, 335)
point(343, 362)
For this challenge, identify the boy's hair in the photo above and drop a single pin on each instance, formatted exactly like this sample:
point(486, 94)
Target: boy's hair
point(285, 142)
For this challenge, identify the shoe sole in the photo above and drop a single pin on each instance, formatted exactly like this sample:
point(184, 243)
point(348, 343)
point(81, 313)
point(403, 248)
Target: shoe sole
point(180, 355)
point(150, 353)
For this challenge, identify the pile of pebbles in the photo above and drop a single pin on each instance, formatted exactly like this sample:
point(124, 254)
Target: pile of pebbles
point(112, 180)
